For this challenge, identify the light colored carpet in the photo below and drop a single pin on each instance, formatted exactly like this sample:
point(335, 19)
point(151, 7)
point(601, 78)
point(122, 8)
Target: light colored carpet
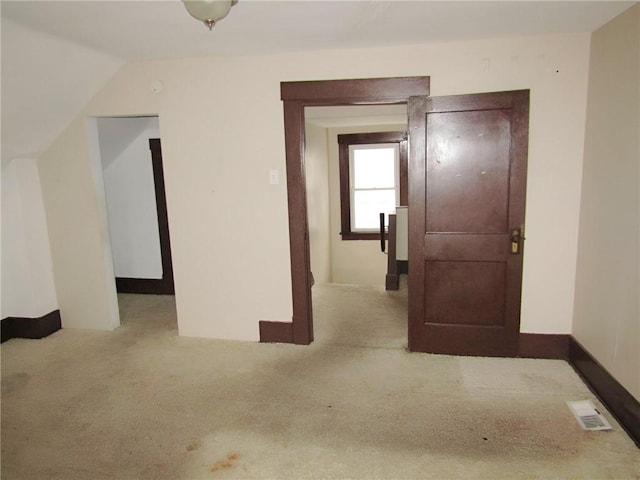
point(143, 403)
point(360, 316)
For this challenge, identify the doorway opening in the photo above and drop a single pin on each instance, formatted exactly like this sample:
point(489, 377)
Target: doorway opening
point(127, 160)
point(297, 96)
point(350, 304)
point(477, 146)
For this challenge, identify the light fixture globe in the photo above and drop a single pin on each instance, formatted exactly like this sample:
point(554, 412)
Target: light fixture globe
point(209, 11)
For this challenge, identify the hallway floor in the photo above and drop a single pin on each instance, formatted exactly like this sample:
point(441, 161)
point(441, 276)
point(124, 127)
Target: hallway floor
point(360, 315)
point(143, 403)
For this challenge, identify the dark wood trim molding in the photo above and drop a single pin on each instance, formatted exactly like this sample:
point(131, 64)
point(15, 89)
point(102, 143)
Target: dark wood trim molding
point(163, 218)
point(145, 286)
point(374, 137)
point(622, 405)
point(362, 236)
point(298, 225)
point(355, 91)
point(417, 108)
point(392, 279)
point(403, 267)
point(296, 96)
point(538, 345)
point(23, 327)
point(345, 196)
point(276, 332)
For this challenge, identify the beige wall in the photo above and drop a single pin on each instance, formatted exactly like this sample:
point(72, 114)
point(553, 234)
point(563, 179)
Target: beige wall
point(317, 176)
point(358, 262)
point(222, 130)
point(607, 314)
point(27, 274)
point(46, 80)
point(75, 207)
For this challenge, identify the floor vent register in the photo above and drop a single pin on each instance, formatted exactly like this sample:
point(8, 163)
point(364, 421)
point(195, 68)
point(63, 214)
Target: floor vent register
point(588, 415)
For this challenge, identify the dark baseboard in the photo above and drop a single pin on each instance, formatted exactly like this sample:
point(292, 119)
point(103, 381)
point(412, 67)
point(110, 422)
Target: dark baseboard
point(391, 282)
point(276, 332)
point(147, 286)
point(532, 345)
point(22, 327)
point(403, 267)
point(537, 345)
point(622, 405)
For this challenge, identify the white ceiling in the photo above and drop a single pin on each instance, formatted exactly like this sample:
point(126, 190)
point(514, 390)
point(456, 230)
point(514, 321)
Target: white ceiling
point(134, 30)
point(66, 50)
point(356, 115)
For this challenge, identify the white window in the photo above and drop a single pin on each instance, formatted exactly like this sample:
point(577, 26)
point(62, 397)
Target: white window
point(373, 180)
point(374, 174)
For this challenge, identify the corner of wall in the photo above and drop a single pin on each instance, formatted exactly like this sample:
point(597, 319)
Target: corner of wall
point(28, 288)
point(606, 319)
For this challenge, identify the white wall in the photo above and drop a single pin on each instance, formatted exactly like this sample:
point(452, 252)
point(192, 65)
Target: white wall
point(357, 262)
point(130, 195)
point(222, 128)
point(317, 178)
point(27, 273)
point(607, 310)
point(45, 82)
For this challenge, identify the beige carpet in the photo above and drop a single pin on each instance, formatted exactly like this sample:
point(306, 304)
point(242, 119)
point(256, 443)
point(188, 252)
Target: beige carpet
point(360, 316)
point(143, 403)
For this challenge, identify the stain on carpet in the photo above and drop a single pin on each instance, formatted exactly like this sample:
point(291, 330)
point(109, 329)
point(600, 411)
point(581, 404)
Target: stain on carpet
point(193, 446)
point(226, 463)
point(14, 382)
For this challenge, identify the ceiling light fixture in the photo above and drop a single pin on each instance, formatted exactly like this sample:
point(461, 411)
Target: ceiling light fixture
point(209, 11)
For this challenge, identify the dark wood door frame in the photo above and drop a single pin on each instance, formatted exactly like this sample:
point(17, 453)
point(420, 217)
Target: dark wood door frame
point(296, 96)
point(164, 285)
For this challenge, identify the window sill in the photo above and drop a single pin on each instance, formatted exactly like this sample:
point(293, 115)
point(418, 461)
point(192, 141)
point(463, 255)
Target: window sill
point(362, 236)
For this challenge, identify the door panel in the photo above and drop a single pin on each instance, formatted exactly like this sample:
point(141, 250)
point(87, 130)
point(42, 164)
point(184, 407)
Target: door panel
point(468, 167)
point(465, 293)
point(467, 171)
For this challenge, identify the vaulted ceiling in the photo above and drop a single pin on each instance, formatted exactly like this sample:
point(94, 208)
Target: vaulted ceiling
point(134, 30)
point(57, 54)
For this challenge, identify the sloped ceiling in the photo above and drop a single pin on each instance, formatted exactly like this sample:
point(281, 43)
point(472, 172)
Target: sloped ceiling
point(57, 54)
point(134, 30)
point(116, 134)
point(46, 81)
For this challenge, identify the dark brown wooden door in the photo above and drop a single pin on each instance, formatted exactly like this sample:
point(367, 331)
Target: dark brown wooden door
point(467, 172)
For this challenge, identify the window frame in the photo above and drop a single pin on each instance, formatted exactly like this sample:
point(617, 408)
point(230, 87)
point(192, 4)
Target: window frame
point(344, 142)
